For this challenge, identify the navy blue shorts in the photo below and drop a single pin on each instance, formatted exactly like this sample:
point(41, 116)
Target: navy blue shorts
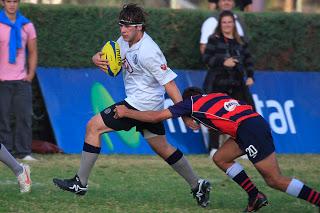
point(255, 139)
point(127, 123)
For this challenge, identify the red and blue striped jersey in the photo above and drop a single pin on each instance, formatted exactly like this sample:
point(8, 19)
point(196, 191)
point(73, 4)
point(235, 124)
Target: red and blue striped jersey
point(216, 110)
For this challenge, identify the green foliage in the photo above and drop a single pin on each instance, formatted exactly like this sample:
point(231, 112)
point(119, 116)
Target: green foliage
point(281, 41)
point(69, 36)
point(120, 183)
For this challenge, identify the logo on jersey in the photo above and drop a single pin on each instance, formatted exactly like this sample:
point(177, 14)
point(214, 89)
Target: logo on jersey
point(135, 59)
point(126, 65)
point(164, 67)
point(107, 111)
point(252, 151)
point(231, 105)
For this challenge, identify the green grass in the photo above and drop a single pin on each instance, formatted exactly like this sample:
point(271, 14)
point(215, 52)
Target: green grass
point(147, 184)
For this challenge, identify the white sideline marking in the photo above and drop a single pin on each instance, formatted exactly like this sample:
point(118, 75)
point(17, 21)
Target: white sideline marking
point(11, 182)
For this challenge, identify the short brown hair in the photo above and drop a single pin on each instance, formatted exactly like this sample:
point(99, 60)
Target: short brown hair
point(191, 91)
point(133, 14)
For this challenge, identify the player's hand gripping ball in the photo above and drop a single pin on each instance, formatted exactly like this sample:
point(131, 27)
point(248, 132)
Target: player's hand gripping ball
point(111, 52)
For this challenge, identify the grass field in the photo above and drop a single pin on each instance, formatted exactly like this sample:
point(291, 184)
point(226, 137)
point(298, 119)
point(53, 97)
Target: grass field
point(147, 184)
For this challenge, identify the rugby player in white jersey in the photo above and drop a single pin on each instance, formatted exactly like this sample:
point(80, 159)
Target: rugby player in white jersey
point(146, 79)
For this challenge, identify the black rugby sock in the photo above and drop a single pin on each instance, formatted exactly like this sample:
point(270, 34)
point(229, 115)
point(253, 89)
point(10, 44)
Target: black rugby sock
point(310, 195)
point(239, 176)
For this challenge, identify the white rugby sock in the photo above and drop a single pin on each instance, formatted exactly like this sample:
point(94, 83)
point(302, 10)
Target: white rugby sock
point(234, 170)
point(294, 187)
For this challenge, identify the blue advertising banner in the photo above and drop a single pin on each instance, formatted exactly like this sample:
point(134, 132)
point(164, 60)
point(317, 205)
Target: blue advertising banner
point(287, 100)
point(73, 96)
point(290, 102)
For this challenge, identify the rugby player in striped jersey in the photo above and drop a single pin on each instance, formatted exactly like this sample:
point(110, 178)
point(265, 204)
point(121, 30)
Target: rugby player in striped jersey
point(250, 134)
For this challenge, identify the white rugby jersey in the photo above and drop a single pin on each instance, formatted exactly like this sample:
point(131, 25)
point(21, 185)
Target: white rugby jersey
point(145, 72)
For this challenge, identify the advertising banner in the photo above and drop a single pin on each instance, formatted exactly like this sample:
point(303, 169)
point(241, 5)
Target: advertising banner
point(73, 96)
point(289, 101)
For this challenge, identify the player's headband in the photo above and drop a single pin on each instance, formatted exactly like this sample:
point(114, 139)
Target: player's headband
point(130, 23)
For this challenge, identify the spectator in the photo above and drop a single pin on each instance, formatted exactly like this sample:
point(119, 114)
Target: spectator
point(17, 34)
point(209, 25)
point(229, 62)
point(243, 5)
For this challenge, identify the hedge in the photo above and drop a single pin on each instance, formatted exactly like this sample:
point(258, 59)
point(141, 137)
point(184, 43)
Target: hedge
point(69, 35)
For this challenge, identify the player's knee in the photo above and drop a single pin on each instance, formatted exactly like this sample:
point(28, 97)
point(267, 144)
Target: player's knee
point(91, 127)
point(218, 160)
point(273, 181)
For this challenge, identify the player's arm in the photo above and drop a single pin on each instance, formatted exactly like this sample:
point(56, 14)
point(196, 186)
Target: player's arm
point(173, 91)
point(145, 116)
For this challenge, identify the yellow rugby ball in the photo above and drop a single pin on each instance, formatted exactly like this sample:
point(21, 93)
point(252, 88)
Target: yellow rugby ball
point(111, 52)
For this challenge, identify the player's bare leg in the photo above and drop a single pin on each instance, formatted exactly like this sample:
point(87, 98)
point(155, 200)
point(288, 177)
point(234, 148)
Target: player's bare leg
point(224, 159)
point(95, 127)
point(270, 171)
point(160, 146)
point(175, 158)
point(226, 154)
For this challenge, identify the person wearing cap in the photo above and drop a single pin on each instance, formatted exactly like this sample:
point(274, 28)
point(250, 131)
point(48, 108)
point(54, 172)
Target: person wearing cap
point(146, 78)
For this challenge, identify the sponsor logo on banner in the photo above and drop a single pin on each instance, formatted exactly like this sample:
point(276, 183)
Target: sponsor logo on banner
point(281, 118)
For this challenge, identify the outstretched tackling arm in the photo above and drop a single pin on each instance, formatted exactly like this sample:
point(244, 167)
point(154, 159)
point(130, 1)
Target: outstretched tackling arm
point(145, 116)
point(175, 95)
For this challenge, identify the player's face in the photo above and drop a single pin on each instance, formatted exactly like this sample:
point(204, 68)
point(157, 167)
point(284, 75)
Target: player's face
point(227, 25)
point(10, 6)
point(226, 4)
point(131, 33)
